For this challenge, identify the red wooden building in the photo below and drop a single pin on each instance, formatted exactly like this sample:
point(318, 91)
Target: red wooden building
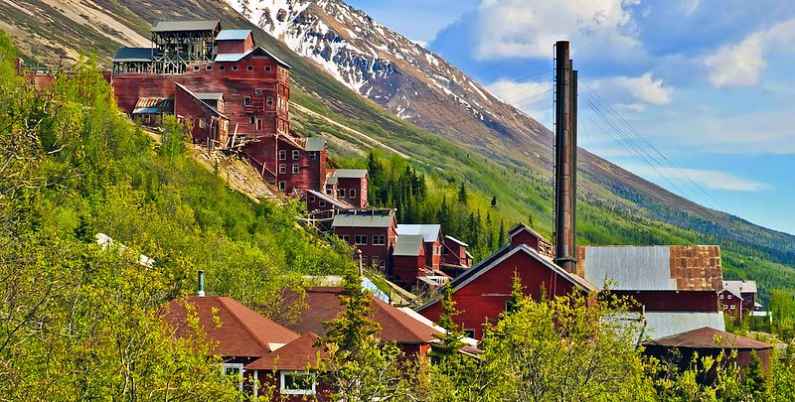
point(455, 256)
point(431, 238)
point(738, 298)
point(481, 293)
point(373, 232)
point(349, 185)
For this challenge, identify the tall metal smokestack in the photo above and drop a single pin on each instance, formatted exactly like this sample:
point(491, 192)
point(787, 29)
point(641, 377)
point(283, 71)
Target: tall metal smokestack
point(565, 158)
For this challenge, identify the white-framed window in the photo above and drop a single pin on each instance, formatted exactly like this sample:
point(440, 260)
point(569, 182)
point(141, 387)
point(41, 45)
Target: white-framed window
point(312, 199)
point(221, 67)
point(322, 203)
point(234, 369)
point(361, 240)
point(731, 307)
point(469, 333)
point(234, 68)
point(282, 185)
point(251, 120)
point(250, 67)
point(298, 383)
point(195, 68)
point(346, 238)
point(268, 68)
point(352, 193)
point(296, 154)
point(246, 101)
point(259, 124)
point(269, 102)
point(209, 68)
point(296, 168)
point(379, 240)
point(282, 168)
point(282, 155)
point(312, 156)
point(340, 193)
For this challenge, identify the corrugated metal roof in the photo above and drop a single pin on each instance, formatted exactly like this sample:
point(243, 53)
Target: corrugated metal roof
point(195, 25)
point(362, 221)
point(740, 287)
point(315, 144)
point(350, 173)
point(629, 268)
point(233, 34)
point(408, 245)
point(709, 338)
point(453, 239)
point(430, 233)
point(662, 324)
point(153, 105)
point(234, 57)
point(133, 54)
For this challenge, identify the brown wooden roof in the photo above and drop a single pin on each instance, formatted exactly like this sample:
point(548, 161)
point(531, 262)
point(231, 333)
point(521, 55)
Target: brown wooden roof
point(300, 354)
point(323, 305)
point(708, 338)
point(236, 329)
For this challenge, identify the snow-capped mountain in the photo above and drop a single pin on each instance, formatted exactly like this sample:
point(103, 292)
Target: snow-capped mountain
point(400, 75)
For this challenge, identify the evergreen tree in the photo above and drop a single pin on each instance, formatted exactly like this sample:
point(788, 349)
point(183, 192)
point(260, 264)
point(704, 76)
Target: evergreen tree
point(501, 241)
point(494, 201)
point(451, 340)
point(462, 193)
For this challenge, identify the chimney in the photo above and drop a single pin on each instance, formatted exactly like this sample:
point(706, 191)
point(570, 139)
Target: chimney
point(565, 158)
point(200, 293)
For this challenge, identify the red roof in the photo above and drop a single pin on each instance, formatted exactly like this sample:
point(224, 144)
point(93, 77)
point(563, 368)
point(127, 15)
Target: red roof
point(708, 338)
point(300, 354)
point(323, 305)
point(236, 329)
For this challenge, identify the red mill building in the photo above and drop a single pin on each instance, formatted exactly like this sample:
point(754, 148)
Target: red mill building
point(233, 95)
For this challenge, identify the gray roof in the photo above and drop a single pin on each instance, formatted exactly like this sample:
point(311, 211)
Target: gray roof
point(133, 54)
point(315, 144)
point(234, 57)
point(453, 239)
point(233, 34)
point(210, 95)
point(408, 245)
point(662, 324)
point(196, 25)
point(629, 268)
point(350, 173)
point(740, 287)
point(362, 221)
point(429, 233)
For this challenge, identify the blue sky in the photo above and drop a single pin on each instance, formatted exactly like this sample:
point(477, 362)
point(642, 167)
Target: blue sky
point(695, 95)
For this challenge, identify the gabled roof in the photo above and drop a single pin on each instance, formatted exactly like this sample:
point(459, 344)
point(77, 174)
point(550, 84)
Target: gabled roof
point(202, 102)
point(430, 233)
point(134, 54)
point(709, 338)
point(235, 57)
point(238, 330)
point(658, 268)
point(233, 34)
point(349, 173)
point(408, 245)
point(740, 287)
point(315, 144)
point(520, 227)
point(300, 354)
point(323, 304)
point(362, 221)
point(193, 25)
point(331, 200)
point(454, 240)
point(505, 253)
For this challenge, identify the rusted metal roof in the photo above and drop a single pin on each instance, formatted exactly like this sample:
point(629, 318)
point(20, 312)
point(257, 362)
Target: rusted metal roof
point(153, 105)
point(652, 267)
point(709, 338)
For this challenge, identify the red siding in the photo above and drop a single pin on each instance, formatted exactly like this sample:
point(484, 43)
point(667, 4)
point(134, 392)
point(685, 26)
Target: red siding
point(235, 46)
point(483, 299)
point(672, 300)
point(382, 252)
point(359, 186)
point(433, 254)
point(406, 269)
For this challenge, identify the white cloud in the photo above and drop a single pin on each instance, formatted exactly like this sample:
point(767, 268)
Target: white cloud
point(742, 63)
point(529, 28)
point(526, 96)
point(710, 179)
point(632, 92)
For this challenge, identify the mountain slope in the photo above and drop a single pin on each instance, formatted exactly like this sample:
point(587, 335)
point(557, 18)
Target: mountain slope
point(616, 206)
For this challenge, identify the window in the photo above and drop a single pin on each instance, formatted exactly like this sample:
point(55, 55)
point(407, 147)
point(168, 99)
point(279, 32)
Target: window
point(249, 68)
point(379, 240)
point(298, 383)
point(361, 240)
point(269, 102)
point(282, 185)
point(721, 296)
point(282, 168)
point(375, 261)
point(352, 193)
point(246, 101)
point(312, 199)
point(346, 238)
point(731, 307)
point(282, 155)
point(296, 154)
point(259, 124)
point(322, 203)
point(234, 369)
point(312, 156)
point(268, 68)
point(201, 123)
point(221, 67)
point(296, 168)
point(209, 68)
point(470, 333)
point(340, 193)
point(195, 68)
point(234, 68)
point(251, 120)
